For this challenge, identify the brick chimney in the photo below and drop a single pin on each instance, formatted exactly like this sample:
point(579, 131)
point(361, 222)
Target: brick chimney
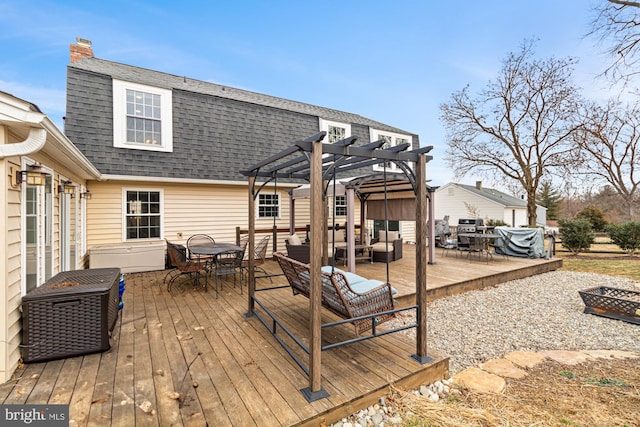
point(80, 50)
point(479, 185)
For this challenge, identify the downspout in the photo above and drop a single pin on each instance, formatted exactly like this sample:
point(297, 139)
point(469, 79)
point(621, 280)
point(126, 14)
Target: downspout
point(34, 142)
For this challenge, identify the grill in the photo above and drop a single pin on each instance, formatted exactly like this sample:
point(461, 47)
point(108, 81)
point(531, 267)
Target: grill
point(466, 225)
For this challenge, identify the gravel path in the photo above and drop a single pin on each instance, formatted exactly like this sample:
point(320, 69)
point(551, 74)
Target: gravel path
point(543, 312)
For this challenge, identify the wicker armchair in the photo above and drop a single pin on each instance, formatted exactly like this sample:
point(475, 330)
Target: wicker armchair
point(301, 252)
point(383, 252)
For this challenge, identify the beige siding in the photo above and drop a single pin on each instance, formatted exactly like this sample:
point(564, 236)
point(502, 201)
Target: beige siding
point(10, 316)
point(190, 209)
point(187, 209)
point(408, 231)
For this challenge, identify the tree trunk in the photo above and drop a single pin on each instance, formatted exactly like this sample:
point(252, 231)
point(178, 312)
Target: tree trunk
point(532, 212)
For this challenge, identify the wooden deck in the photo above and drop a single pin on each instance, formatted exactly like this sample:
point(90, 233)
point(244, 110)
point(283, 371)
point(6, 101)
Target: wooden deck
point(192, 359)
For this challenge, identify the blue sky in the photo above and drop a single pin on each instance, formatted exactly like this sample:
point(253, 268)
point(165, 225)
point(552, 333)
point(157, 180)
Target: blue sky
point(393, 62)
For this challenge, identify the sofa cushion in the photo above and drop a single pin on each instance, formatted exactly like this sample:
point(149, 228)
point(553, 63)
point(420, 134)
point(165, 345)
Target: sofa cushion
point(393, 235)
point(367, 285)
point(351, 277)
point(294, 240)
point(340, 236)
point(382, 247)
point(358, 283)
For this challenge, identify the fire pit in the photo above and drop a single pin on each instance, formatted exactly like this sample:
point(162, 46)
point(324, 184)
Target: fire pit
point(620, 304)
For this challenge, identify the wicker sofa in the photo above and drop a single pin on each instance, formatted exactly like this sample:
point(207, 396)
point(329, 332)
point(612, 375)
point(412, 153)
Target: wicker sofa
point(298, 250)
point(383, 252)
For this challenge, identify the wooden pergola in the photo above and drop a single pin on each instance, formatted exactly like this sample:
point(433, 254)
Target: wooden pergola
point(317, 163)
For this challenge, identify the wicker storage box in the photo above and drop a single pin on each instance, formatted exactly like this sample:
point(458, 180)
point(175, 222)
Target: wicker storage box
point(71, 314)
point(621, 304)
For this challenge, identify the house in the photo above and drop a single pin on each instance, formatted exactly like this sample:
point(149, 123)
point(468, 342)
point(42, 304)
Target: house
point(44, 179)
point(144, 156)
point(468, 201)
point(169, 150)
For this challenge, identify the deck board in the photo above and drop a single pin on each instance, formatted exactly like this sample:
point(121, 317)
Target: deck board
point(228, 369)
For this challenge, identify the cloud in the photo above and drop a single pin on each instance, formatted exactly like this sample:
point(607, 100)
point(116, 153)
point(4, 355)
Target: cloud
point(50, 101)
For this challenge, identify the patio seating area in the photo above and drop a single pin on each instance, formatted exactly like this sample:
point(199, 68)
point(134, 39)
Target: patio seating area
point(188, 358)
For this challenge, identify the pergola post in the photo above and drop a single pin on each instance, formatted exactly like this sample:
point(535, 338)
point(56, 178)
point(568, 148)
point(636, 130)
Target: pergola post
point(351, 230)
point(251, 245)
point(318, 230)
point(292, 215)
point(421, 257)
point(431, 224)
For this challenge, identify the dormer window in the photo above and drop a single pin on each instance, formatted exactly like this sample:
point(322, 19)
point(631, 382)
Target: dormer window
point(391, 140)
point(336, 131)
point(142, 117)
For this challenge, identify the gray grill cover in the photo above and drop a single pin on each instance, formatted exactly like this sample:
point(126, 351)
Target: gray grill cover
point(525, 242)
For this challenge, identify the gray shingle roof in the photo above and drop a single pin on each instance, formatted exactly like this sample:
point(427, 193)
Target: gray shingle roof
point(169, 81)
point(495, 196)
point(217, 130)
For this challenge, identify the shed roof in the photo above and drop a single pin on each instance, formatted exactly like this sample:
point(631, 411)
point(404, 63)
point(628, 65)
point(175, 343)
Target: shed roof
point(494, 195)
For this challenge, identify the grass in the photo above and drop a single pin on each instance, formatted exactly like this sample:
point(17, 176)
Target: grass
point(602, 258)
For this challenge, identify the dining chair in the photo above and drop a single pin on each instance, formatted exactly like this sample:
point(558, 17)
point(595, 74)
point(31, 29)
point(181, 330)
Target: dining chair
point(448, 245)
point(499, 246)
point(228, 264)
point(182, 265)
point(200, 239)
point(260, 255)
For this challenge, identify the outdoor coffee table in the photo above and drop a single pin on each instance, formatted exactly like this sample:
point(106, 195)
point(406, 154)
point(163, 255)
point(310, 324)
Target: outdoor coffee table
point(362, 252)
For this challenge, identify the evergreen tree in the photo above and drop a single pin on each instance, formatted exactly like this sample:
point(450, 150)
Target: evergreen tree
point(550, 198)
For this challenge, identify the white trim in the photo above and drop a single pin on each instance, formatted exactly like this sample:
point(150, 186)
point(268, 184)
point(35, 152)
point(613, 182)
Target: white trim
point(40, 246)
point(120, 118)
point(324, 126)
point(374, 135)
point(124, 214)
point(268, 218)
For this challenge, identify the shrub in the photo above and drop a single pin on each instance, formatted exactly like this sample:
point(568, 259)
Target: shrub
point(577, 235)
point(495, 223)
point(595, 215)
point(626, 236)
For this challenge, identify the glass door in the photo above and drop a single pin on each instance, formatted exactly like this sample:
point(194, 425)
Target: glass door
point(37, 234)
point(68, 220)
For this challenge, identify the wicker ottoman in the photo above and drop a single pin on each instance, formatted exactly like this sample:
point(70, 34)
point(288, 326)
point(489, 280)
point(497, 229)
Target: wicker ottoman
point(73, 313)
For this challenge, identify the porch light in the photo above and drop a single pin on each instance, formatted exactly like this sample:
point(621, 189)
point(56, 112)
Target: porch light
point(34, 175)
point(67, 187)
point(86, 195)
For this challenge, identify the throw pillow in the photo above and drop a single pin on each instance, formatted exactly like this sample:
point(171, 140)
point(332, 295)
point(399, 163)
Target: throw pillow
point(294, 240)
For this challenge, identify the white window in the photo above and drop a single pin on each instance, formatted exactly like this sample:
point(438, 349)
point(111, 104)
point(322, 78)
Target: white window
point(142, 214)
point(391, 140)
point(335, 130)
point(340, 206)
point(142, 117)
point(269, 205)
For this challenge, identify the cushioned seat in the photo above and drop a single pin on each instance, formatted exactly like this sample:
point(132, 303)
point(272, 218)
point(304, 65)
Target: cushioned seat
point(358, 283)
point(383, 251)
point(375, 305)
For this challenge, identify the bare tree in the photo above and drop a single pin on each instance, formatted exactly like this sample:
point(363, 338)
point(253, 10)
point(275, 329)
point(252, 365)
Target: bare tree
point(610, 148)
point(519, 127)
point(617, 25)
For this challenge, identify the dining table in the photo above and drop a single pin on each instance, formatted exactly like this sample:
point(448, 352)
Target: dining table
point(485, 238)
point(214, 249)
